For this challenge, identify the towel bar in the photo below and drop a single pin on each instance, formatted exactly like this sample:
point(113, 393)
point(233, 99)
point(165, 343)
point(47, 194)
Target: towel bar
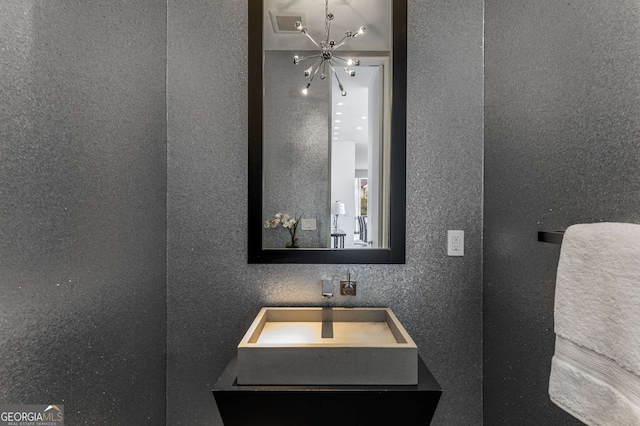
point(553, 237)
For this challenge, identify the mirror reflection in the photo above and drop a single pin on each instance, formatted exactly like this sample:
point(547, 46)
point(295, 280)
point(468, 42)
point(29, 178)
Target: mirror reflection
point(326, 123)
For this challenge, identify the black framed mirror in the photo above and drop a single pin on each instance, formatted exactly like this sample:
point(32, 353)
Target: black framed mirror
point(327, 131)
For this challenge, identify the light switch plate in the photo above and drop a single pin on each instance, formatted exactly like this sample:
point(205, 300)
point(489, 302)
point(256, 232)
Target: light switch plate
point(308, 224)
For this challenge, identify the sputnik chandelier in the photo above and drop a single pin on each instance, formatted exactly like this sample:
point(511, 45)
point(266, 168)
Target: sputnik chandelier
point(327, 56)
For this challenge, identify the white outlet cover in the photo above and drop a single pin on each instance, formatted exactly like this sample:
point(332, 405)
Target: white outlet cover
point(455, 243)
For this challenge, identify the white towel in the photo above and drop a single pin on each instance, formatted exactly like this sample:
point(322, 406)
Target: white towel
point(595, 371)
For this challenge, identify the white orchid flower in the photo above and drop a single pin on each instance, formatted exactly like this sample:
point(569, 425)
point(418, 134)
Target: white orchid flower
point(267, 223)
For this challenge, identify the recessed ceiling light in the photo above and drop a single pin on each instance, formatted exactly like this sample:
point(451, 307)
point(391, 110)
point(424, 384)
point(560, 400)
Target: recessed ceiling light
point(364, 118)
point(335, 138)
point(340, 103)
point(338, 113)
point(359, 128)
point(337, 121)
point(335, 133)
point(337, 128)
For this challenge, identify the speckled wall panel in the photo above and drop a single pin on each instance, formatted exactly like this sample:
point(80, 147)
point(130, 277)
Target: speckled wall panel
point(213, 294)
point(562, 145)
point(82, 208)
point(296, 152)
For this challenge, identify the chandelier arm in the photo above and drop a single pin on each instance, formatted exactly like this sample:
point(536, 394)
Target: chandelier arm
point(342, 59)
point(358, 32)
point(342, 42)
point(342, 91)
point(311, 38)
point(344, 67)
point(317, 63)
point(314, 73)
point(304, 58)
point(318, 68)
point(310, 56)
point(327, 22)
point(334, 72)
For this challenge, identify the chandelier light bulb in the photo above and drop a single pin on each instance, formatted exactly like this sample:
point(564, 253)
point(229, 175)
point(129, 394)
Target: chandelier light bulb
point(297, 59)
point(323, 76)
point(342, 91)
point(362, 30)
point(307, 72)
point(306, 89)
point(300, 27)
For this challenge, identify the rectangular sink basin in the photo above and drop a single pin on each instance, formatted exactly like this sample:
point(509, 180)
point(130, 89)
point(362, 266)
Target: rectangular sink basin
point(284, 346)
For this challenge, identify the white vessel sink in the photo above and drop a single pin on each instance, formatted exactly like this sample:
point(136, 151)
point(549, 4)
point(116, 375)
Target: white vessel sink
point(284, 346)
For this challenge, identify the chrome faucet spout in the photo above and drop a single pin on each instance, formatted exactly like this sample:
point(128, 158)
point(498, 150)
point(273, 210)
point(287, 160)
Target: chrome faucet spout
point(327, 322)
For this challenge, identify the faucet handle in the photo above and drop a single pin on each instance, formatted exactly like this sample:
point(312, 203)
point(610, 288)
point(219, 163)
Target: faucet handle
point(348, 288)
point(327, 288)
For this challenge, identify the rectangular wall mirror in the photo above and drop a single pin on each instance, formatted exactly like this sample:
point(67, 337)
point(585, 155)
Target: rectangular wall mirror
point(327, 131)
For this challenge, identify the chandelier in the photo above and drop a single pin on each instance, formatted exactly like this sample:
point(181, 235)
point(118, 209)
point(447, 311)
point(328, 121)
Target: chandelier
point(327, 56)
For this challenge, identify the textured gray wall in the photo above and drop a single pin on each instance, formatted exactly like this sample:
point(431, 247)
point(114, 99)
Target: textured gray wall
point(562, 146)
point(213, 294)
point(82, 216)
point(296, 149)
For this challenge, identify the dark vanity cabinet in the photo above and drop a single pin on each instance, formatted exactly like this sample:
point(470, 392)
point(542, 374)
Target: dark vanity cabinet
point(326, 405)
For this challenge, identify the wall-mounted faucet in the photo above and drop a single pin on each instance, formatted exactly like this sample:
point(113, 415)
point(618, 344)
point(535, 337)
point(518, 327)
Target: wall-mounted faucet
point(327, 288)
point(327, 312)
point(347, 288)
